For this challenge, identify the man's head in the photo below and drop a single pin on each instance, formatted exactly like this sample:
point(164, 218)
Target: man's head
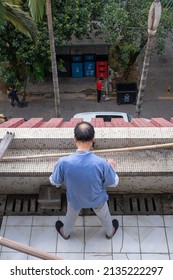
point(84, 132)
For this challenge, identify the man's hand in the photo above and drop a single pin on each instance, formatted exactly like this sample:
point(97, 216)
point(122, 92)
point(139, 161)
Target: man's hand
point(112, 162)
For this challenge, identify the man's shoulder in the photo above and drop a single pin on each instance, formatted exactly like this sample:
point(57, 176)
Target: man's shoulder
point(67, 158)
point(98, 158)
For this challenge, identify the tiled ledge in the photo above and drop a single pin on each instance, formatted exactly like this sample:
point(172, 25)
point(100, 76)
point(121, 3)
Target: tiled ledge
point(98, 122)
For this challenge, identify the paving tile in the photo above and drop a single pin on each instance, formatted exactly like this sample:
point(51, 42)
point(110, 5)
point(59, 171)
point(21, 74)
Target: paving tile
point(48, 221)
point(2, 233)
point(79, 222)
point(13, 256)
point(19, 221)
point(96, 241)
point(155, 256)
point(4, 220)
point(98, 256)
point(2, 230)
point(168, 220)
point(150, 221)
point(153, 240)
point(75, 244)
point(126, 240)
point(18, 234)
point(44, 238)
point(127, 256)
point(130, 221)
point(92, 221)
point(169, 233)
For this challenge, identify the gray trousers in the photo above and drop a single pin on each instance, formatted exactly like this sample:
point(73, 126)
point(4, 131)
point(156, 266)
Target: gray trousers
point(102, 213)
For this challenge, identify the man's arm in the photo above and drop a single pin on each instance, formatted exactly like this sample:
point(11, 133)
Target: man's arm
point(57, 177)
point(116, 182)
point(53, 183)
point(113, 164)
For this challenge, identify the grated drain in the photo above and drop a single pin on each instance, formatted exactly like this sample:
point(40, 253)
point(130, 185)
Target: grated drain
point(28, 205)
point(149, 204)
point(119, 204)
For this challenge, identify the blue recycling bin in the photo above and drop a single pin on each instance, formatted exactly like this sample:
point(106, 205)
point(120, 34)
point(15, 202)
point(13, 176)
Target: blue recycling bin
point(89, 69)
point(76, 58)
point(89, 57)
point(77, 70)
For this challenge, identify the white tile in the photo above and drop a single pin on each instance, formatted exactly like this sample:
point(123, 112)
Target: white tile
point(44, 238)
point(13, 256)
point(130, 221)
point(79, 222)
point(171, 256)
point(155, 257)
point(127, 256)
point(92, 221)
point(75, 244)
point(2, 230)
point(96, 241)
point(169, 233)
point(4, 220)
point(126, 240)
point(153, 240)
point(44, 221)
point(70, 256)
point(98, 256)
point(150, 221)
point(29, 257)
point(168, 220)
point(17, 234)
point(19, 221)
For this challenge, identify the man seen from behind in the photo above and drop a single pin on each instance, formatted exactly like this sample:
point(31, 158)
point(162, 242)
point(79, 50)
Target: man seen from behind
point(86, 177)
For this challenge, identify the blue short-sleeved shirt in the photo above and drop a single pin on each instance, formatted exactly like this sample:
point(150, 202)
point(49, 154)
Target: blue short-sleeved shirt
point(86, 177)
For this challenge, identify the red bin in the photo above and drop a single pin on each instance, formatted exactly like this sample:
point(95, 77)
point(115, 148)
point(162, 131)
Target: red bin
point(101, 69)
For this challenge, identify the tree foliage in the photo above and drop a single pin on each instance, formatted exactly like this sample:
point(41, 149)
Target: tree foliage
point(69, 18)
point(11, 11)
point(126, 24)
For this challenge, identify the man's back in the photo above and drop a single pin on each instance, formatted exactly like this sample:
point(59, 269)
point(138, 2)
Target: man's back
point(13, 92)
point(85, 176)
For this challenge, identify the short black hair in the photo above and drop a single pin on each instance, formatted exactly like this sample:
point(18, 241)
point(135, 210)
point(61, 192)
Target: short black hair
point(84, 132)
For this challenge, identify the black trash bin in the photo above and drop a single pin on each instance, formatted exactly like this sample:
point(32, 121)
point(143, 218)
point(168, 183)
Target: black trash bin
point(126, 93)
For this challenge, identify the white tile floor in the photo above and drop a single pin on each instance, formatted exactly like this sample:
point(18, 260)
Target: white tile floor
point(138, 237)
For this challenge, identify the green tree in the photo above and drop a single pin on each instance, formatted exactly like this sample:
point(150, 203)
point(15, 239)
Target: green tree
point(70, 18)
point(125, 23)
point(37, 12)
point(10, 10)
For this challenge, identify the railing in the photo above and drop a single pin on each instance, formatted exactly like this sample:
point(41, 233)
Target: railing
point(27, 249)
